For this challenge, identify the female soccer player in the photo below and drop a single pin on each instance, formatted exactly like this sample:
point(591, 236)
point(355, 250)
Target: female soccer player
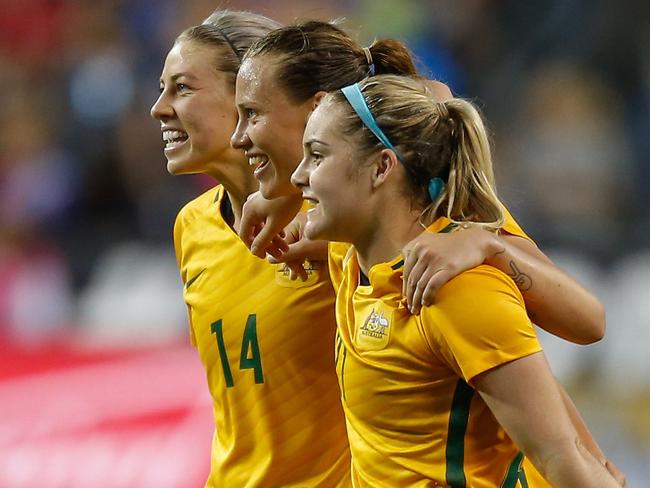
point(427, 398)
point(266, 341)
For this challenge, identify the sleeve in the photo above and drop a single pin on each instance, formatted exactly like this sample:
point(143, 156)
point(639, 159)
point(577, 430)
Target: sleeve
point(336, 254)
point(512, 227)
point(479, 322)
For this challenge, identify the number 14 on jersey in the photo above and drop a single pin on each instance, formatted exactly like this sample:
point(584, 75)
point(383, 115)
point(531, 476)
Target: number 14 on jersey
point(250, 351)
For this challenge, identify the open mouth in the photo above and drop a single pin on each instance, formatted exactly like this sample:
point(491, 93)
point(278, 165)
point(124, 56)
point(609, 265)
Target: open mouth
point(313, 205)
point(313, 202)
point(174, 138)
point(260, 163)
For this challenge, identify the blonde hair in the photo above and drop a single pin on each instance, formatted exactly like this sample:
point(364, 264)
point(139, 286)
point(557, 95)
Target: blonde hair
point(444, 139)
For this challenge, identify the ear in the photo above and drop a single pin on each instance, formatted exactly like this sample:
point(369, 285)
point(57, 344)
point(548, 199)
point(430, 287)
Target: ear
point(317, 98)
point(384, 166)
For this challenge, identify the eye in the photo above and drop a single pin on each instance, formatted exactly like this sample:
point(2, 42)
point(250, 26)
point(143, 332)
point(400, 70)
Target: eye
point(181, 87)
point(316, 157)
point(250, 113)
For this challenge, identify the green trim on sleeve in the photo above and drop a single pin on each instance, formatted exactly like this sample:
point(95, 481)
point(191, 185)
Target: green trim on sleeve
point(458, 419)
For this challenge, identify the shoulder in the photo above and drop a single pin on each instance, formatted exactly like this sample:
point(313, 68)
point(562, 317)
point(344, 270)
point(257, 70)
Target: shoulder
point(200, 205)
point(479, 321)
point(482, 303)
point(479, 283)
point(511, 226)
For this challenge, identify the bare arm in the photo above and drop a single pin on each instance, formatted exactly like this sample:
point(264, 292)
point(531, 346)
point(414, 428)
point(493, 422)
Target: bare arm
point(554, 300)
point(588, 440)
point(525, 399)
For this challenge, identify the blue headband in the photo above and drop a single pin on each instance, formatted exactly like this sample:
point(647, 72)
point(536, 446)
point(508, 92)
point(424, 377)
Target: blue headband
point(354, 96)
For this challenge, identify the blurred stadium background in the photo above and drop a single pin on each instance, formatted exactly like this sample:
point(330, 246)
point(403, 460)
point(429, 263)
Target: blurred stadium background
point(98, 385)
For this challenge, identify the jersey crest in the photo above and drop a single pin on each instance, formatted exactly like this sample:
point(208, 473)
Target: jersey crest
point(374, 332)
point(282, 275)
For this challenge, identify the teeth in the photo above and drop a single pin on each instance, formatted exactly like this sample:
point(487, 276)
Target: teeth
point(255, 160)
point(173, 135)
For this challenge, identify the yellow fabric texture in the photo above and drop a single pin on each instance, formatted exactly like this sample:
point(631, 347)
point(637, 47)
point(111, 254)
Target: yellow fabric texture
point(413, 418)
point(266, 343)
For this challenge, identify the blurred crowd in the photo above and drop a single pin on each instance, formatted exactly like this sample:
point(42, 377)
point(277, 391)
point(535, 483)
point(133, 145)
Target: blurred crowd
point(87, 207)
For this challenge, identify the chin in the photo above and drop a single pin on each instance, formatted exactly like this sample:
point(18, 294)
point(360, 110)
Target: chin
point(173, 168)
point(315, 232)
point(267, 190)
point(273, 189)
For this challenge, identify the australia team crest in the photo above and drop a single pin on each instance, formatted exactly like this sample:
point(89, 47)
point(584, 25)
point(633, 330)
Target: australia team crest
point(374, 331)
point(282, 275)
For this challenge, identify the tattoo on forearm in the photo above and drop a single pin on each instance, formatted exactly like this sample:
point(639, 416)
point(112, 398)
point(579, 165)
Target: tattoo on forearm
point(522, 280)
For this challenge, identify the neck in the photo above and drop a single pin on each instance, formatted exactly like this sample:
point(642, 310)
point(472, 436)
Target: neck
point(239, 183)
point(389, 232)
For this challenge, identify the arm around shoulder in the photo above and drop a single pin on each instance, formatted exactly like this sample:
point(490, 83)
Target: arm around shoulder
point(554, 300)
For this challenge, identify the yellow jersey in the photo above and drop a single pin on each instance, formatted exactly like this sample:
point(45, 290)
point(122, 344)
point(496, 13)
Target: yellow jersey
point(267, 346)
point(338, 250)
point(413, 418)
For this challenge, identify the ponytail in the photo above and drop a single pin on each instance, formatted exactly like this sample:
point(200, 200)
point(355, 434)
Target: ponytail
point(391, 56)
point(470, 190)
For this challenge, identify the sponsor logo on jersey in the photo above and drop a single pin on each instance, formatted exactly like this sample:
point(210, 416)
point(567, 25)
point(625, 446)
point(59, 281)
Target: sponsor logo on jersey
point(191, 281)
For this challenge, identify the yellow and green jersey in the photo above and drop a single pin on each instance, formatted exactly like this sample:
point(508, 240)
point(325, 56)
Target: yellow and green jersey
point(267, 346)
point(413, 418)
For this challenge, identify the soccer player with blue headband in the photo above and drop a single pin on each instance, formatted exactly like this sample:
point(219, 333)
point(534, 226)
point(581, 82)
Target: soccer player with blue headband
point(452, 396)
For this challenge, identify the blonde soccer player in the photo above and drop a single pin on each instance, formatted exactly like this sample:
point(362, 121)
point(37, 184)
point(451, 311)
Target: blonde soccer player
point(457, 395)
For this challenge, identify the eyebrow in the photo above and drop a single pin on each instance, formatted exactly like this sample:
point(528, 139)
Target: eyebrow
point(310, 142)
point(249, 104)
point(176, 76)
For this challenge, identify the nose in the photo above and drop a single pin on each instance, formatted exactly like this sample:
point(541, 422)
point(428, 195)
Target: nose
point(300, 177)
point(161, 108)
point(239, 138)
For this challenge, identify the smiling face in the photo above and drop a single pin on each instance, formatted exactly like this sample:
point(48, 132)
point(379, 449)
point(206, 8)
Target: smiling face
point(196, 109)
point(270, 126)
point(334, 177)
